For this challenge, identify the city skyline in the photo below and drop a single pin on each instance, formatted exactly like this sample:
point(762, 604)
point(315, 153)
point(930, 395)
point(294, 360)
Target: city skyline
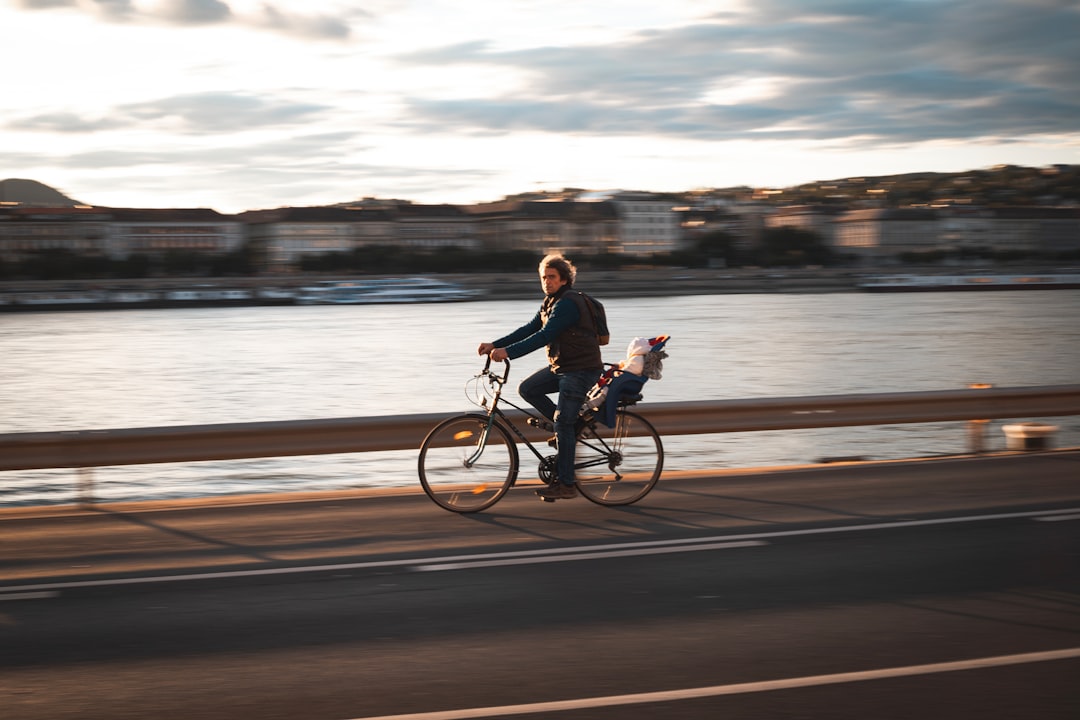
point(239, 105)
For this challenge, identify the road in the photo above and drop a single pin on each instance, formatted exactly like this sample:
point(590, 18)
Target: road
point(932, 589)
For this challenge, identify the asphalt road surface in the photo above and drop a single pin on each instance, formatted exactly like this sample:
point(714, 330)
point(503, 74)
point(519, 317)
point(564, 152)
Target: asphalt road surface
point(931, 590)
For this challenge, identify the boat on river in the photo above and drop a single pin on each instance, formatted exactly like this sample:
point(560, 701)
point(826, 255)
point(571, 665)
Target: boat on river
point(384, 291)
point(938, 283)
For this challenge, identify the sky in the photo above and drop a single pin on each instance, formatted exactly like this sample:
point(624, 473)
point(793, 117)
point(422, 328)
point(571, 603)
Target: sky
point(247, 104)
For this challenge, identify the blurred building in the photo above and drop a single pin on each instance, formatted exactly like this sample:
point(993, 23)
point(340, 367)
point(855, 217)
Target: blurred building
point(38, 222)
point(963, 227)
point(1040, 229)
point(283, 237)
point(157, 233)
point(648, 223)
point(428, 228)
point(29, 232)
point(695, 222)
point(883, 234)
point(880, 235)
point(543, 226)
point(818, 219)
point(115, 233)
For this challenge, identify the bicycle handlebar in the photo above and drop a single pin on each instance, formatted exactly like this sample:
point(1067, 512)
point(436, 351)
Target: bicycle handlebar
point(506, 371)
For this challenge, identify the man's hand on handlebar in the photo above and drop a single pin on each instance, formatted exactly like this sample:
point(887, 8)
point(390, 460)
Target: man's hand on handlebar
point(489, 349)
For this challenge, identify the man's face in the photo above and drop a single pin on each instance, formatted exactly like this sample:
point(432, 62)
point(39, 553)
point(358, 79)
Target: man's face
point(551, 280)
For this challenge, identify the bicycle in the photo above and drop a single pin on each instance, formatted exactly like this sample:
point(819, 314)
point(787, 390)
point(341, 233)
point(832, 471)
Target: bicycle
point(470, 461)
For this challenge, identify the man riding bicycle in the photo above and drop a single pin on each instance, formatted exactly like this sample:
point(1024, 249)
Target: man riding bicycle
point(574, 363)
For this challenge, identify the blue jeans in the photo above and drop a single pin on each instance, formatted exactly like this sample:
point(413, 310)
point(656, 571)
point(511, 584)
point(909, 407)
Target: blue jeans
point(572, 388)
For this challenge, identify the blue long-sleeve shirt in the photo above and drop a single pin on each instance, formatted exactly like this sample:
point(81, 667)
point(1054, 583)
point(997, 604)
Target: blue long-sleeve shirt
point(534, 335)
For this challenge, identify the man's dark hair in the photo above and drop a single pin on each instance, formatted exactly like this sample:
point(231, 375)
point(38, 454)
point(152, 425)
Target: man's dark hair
point(564, 267)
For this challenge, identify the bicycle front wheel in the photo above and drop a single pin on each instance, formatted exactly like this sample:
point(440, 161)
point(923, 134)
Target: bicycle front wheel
point(619, 465)
point(467, 463)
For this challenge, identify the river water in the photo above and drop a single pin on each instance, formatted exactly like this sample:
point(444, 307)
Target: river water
point(139, 368)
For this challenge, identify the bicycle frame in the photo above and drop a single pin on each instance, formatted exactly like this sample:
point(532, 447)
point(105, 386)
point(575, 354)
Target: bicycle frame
point(494, 411)
point(605, 453)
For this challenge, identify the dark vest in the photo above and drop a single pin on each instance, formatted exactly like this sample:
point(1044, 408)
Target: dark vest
point(576, 347)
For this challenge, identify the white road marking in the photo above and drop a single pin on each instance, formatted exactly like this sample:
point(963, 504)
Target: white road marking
point(28, 595)
point(588, 556)
point(739, 688)
point(1058, 518)
point(564, 551)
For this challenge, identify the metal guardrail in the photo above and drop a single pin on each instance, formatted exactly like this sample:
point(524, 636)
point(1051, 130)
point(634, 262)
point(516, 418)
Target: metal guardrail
point(137, 446)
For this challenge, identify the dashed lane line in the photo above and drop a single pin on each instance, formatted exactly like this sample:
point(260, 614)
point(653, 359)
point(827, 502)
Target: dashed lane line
point(28, 595)
point(588, 556)
point(1058, 518)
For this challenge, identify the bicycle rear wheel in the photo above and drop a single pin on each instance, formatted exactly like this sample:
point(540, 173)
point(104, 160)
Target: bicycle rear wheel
point(619, 465)
point(467, 463)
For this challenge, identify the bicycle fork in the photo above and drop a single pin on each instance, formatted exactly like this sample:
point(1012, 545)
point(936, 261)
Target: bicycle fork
point(481, 443)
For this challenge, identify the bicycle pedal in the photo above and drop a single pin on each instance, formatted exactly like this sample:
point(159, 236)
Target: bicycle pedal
point(541, 424)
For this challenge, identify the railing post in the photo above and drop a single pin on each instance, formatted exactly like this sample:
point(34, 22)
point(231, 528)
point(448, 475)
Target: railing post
point(86, 486)
point(976, 429)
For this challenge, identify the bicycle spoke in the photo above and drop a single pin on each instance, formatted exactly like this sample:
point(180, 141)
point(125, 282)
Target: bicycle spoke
point(467, 463)
point(620, 465)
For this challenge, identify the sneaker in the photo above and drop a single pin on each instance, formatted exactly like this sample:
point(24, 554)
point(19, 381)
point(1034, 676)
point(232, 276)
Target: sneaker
point(558, 491)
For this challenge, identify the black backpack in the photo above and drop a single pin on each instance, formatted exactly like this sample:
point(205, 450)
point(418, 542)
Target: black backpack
point(590, 307)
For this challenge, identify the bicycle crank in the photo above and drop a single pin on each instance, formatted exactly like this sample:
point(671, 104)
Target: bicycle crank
point(549, 469)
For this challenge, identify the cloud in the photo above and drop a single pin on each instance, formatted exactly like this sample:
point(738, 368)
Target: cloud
point(304, 169)
point(115, 9)
point(219, 112)
point(903, 71)
point(316, 27)
point(206, 113)
point(315, 150)
point(61, 122)
point(108, 9)
point(841, 75)
point(44, 4)
point(196, 13)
